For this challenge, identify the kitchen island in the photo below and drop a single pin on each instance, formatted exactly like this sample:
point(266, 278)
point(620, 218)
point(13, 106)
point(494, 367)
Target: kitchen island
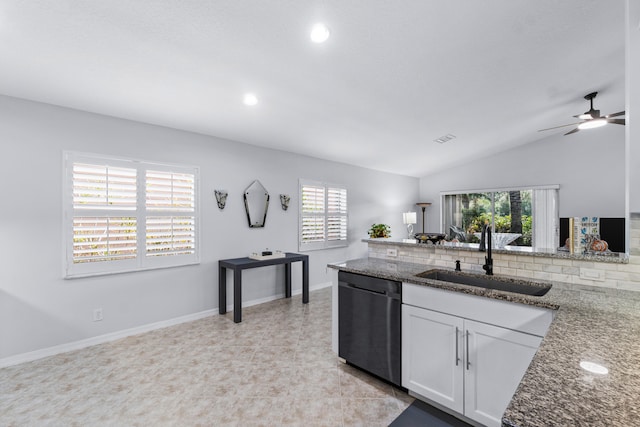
point(595, 325)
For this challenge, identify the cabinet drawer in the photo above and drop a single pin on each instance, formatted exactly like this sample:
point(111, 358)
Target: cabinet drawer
point(519, 317)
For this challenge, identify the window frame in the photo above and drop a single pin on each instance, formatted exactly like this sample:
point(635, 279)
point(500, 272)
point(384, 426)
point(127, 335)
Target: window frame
point(325, 243)
point(545, 229)
point(142, 260)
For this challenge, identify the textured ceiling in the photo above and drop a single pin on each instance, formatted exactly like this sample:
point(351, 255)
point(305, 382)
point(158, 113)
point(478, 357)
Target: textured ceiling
point(392, 77)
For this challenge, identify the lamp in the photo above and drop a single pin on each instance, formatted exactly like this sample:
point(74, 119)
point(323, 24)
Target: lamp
point(409, 218)
point(423, 205)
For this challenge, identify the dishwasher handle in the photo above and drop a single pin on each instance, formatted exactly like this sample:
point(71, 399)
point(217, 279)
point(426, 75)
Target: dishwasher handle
point(374, 285)
point(364, 289)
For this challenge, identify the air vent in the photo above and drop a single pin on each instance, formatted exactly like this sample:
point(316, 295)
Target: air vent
point(443, 139)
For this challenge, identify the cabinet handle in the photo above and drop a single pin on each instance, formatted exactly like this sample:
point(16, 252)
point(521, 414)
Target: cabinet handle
point(457, 341)
point(468, 362)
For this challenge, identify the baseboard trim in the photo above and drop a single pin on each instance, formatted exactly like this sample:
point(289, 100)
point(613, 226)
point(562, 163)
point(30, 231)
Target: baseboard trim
point(113, 336)
point(101, 339)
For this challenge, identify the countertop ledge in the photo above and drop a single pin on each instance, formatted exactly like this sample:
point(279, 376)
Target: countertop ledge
point(609, 257)
point(592, 324)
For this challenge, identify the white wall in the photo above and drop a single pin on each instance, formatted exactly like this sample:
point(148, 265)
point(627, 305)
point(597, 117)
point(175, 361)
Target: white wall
point(588, 166)
point(38, 309)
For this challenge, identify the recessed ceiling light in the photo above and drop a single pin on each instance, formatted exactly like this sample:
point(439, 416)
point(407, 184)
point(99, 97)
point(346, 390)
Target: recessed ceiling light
point(250, 99)
point(319, 33)
point(594, 368)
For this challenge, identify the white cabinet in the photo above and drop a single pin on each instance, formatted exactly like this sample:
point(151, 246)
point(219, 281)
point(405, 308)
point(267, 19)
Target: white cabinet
point(432, 356)
point(495, 362)
point(470, 367)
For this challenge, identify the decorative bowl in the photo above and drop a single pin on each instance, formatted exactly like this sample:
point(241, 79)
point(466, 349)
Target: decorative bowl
point(500, 240)
point(429, 237)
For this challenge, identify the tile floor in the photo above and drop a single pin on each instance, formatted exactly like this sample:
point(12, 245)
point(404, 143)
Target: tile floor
point(276, 368)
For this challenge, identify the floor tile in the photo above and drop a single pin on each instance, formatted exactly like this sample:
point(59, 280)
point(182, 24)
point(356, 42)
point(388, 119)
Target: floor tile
point(276, 368)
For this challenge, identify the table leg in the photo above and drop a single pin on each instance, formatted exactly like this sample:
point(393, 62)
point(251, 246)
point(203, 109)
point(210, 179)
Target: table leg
point(287, 280)
point(237, 295)
point(305, 281)
point(222, 289)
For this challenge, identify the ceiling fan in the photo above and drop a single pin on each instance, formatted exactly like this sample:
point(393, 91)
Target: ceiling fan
point(592, 118)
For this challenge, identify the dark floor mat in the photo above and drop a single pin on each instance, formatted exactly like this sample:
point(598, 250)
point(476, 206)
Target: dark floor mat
point(420, 414)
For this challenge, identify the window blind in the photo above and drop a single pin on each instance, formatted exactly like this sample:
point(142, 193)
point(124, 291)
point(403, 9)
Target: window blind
point(323, 216)
point(104, 187)
point(169, 191)
point(127, 215)
point(312, 214)
point(104, 238)
point(337, 214)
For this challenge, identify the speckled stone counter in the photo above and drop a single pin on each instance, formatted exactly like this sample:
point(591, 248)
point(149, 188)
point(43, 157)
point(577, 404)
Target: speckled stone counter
point(592, 324)
point(610, 257)
point(608, 271)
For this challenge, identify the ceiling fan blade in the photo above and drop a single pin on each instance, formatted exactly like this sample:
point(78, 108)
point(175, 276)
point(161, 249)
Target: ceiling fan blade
point(573, 131)
point(561, 126)
point(619, 113)
point(617, 121)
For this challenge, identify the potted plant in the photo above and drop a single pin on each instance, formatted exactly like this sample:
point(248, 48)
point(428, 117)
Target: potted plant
point(379, 230)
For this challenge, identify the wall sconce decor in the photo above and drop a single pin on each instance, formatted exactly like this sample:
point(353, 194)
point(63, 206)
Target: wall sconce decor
point(409, 218)
point(221, 198)
point(284, 201)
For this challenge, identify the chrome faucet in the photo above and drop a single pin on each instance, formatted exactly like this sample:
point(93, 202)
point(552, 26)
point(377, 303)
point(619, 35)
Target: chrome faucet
point(488, 260)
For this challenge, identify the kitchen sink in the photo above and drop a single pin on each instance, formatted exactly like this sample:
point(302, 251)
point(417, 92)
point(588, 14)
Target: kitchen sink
point(489, 282)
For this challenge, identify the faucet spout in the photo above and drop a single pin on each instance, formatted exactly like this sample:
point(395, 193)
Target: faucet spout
point(488, 260)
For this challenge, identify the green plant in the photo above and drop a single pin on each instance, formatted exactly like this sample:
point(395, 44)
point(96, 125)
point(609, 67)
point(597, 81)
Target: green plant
point(379, 230)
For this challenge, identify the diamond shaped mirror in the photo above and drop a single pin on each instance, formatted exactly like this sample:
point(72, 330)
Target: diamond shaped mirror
point(256, 203)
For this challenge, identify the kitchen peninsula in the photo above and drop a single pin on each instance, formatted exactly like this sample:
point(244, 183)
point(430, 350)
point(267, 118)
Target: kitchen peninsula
point(611, 270)
point(597, 321)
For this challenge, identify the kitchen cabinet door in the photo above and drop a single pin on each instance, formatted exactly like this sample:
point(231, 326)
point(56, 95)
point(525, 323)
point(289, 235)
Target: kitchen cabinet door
point(432, 356)
point(497, 360)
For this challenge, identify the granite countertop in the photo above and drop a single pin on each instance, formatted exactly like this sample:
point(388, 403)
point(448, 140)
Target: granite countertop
point(611, 257)
point(597, 325)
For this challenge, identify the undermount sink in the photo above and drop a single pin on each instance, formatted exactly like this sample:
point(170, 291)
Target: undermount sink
point(489, 282)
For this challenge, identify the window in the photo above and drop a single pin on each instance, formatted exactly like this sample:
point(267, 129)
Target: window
point(519, 216)
point(323, 216)
point(126, 215)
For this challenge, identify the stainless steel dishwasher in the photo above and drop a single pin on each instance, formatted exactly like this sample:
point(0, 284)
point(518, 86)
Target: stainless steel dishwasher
point(369, 312)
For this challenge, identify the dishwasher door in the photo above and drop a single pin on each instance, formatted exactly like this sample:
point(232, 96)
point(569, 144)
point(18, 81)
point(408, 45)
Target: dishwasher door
point(369, 313)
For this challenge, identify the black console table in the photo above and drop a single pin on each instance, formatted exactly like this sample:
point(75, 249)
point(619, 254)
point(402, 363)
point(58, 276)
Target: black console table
point(239, 264)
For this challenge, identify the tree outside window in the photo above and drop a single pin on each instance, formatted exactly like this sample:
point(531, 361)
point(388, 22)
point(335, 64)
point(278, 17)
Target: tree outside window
point(506, 211)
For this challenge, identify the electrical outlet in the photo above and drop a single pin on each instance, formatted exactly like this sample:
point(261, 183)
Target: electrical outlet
point(97, 314)
point(592, 274)
point(392, 252)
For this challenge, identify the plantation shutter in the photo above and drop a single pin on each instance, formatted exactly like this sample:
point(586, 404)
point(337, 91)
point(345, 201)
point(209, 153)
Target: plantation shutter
point(323, 216)
point(168, 193)
point(312, 214)
point(126, 215)
point(101, 194)
point(336, 214)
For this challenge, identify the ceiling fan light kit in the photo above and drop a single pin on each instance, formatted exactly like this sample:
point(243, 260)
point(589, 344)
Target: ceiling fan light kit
point(591, 119)
point(594, 123)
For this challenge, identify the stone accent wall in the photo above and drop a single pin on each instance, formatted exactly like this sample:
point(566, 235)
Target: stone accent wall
point(580, 272)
